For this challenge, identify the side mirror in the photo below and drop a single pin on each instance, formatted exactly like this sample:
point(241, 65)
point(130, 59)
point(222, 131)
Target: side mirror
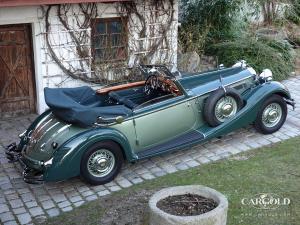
point(120, 119)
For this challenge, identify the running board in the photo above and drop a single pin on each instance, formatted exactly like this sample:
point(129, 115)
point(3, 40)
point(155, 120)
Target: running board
point(184, 140)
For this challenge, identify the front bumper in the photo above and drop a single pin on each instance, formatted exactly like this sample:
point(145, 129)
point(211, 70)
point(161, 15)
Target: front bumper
point(30, 175)
point(291, 102)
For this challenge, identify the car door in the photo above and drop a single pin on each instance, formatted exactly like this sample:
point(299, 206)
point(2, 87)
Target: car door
point(163, 121)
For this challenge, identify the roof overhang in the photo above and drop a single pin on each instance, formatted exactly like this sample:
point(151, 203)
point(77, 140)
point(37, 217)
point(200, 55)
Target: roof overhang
point(11, 3)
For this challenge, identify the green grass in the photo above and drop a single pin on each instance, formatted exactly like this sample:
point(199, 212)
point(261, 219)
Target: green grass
point(273, 169)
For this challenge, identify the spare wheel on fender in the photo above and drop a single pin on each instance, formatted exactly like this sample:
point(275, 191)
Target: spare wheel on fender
point(221, 105)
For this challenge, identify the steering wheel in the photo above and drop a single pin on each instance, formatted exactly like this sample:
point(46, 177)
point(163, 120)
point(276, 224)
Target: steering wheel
point(151, 84)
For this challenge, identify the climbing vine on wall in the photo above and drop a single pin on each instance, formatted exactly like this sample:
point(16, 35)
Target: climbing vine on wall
point(150, 28)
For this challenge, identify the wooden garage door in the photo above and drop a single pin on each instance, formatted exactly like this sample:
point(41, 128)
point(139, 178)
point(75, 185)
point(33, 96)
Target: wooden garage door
point(17, 87)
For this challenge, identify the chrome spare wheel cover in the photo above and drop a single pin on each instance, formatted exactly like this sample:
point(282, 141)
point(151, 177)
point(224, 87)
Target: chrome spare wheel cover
point(101, 163)
point(272, 115)
point(225, 108)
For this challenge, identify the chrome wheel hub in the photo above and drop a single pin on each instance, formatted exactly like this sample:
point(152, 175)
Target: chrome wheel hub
point(272, 115)
point(101, 163)
point(226, 107)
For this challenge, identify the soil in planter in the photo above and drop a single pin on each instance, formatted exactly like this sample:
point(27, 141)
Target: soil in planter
point(186, 205)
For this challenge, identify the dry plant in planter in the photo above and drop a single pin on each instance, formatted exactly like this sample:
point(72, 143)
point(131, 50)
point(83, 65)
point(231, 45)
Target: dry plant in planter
point(194, 204)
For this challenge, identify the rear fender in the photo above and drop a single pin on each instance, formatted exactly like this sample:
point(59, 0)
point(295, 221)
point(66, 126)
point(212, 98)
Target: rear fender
point(66, 160)
point(23, 137)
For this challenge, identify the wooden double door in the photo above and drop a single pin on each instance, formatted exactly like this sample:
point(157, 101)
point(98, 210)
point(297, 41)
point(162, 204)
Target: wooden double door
point(17, 83)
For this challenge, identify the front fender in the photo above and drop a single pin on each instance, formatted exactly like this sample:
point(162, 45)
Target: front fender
point(247, 115)
point(277, 88)
point(261, 92)
point(66, 160)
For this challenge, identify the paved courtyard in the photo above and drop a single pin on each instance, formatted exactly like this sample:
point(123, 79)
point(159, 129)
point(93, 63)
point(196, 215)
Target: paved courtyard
point(20, 203)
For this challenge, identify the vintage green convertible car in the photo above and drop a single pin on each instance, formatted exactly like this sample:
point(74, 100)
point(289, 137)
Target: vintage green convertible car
point(90, 133)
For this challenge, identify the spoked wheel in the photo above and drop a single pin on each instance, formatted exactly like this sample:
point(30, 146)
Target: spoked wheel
point(101, 162)
point(225, 108)
point(221, 106)
point(271, 115)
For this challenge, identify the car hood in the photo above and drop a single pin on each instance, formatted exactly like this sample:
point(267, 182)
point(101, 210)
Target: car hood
point(50, 131)
point(202, 83)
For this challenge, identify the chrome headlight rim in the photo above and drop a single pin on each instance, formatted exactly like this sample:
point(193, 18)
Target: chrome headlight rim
point(266, 75)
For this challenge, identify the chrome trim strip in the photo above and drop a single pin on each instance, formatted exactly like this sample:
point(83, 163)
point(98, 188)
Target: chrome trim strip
point(39, 127)
point(50, 128)
point(61, 130)
point(43, 120)
point(36, 140)
point(35, 135)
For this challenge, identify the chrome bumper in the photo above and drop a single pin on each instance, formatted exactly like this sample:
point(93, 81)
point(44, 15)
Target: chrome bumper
point(291, 102)
point(32, 176)
point(12, 152)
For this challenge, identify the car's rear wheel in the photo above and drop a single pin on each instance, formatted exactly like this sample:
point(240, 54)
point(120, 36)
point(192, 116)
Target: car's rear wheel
point(101, 163)
point(221, 106)
point(271, 115)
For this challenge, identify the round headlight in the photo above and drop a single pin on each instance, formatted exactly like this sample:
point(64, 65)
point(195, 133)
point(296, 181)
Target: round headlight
point(266, 75)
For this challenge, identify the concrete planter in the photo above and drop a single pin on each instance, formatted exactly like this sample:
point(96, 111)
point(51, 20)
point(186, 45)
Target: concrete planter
point(217, 216)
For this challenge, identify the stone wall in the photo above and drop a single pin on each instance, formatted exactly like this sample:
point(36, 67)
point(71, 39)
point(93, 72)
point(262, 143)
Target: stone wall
point(191, 62)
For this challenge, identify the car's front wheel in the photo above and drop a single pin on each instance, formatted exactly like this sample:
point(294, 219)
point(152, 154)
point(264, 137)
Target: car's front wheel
point(271, 115)
point(101, 163)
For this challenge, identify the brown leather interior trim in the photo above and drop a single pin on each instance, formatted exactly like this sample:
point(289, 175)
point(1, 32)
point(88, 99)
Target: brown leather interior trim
point(120, 87)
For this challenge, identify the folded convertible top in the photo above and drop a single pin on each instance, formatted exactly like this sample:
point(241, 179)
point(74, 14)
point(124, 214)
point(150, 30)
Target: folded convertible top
point(81, 106)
